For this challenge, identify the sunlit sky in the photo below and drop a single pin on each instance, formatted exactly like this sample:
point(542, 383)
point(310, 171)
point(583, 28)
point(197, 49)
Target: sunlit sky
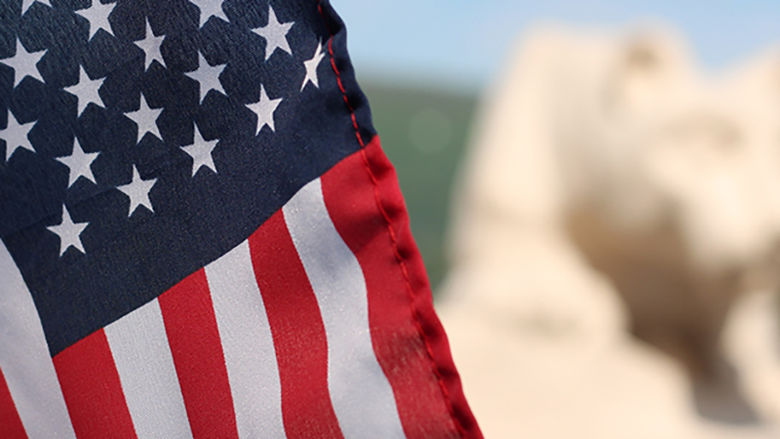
point(462, 43)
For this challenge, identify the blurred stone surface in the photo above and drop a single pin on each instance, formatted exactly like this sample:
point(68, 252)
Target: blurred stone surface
point(614, 210)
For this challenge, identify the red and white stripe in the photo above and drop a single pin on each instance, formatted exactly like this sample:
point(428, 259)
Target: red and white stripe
point(247, 344)
point(302, 330)
point(335, 275)
point(139, 347)
point(30, 397)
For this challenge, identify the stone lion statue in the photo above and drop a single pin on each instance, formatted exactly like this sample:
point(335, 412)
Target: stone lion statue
point(615, 207)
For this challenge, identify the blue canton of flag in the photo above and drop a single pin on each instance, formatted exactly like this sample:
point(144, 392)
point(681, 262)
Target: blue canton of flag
point(132, 126)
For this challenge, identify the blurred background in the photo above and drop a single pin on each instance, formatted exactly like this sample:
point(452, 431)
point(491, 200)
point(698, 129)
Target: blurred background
point(595, 189)
point(425, 63)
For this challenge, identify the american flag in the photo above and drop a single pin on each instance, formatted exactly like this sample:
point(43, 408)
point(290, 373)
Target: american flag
point(201, 236)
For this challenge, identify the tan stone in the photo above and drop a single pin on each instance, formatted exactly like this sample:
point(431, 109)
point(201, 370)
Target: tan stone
point(615, 193)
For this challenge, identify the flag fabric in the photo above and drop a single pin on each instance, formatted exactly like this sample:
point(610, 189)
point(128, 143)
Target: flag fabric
point(201, 236)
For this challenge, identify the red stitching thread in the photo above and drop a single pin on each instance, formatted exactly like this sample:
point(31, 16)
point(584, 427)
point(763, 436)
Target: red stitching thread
point(391, 232)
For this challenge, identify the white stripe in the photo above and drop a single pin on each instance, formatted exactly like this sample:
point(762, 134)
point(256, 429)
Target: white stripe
point(26, 361)
point(143, 359)
point(359, 390)
point(247, 345)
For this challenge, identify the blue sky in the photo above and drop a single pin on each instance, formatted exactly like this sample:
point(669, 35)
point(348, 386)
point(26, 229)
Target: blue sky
point(462, 43)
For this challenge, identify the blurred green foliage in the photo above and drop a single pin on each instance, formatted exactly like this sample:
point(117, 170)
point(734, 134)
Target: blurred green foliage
point(424, 132)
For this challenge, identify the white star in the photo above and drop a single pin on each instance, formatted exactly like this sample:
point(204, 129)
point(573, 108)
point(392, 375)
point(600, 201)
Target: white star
point(208, 9)
point(207, 76)
point(69, 232)
point(151, 47)
point(138, 192)
point(146, 119)
point(264, 109)
point(275, 34)
point(311, 67)
point(86, 91)
point(27, 3)
point(97, 14)
point(79, 163)
point(201, 152)
point(24, 63)
point(15, 136)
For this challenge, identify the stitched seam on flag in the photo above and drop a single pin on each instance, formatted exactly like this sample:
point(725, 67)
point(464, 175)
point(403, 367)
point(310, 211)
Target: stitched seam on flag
point(338, 78)
point(415, 314)
point(393, 238)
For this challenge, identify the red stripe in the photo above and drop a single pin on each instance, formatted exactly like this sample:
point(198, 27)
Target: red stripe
point(10, 424)
point(197, 354)
point(298, 332)
point(367, 208)
point(92, 391)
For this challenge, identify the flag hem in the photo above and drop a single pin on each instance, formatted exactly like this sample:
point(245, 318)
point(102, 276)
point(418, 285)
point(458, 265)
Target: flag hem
point(390, 204)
